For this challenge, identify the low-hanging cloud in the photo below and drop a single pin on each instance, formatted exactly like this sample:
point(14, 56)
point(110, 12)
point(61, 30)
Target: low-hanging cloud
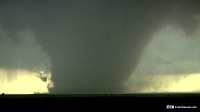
point(170, 63)
point(21, 57)
point(94, 45)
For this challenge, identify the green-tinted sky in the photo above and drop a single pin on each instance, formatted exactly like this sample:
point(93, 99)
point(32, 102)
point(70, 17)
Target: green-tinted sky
point(90, 46)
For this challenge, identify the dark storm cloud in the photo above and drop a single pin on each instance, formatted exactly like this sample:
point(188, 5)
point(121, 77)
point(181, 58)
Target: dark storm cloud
point(94, 44)
point(22, 53)
point(169, 63)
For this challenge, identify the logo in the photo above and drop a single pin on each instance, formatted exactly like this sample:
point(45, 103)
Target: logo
point(170, 107)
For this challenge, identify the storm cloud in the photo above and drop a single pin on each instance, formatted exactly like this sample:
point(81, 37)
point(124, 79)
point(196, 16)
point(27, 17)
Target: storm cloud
point(23, 52)
point(94, 45)
point(23, 58)
point(169, 63)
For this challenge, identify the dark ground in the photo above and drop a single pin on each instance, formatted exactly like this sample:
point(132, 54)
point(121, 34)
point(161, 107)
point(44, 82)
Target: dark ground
point(136, 95)
point(102, 102)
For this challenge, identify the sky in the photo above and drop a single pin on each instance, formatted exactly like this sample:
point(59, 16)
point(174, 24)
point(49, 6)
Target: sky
point(98, 46)
point(169, 63)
